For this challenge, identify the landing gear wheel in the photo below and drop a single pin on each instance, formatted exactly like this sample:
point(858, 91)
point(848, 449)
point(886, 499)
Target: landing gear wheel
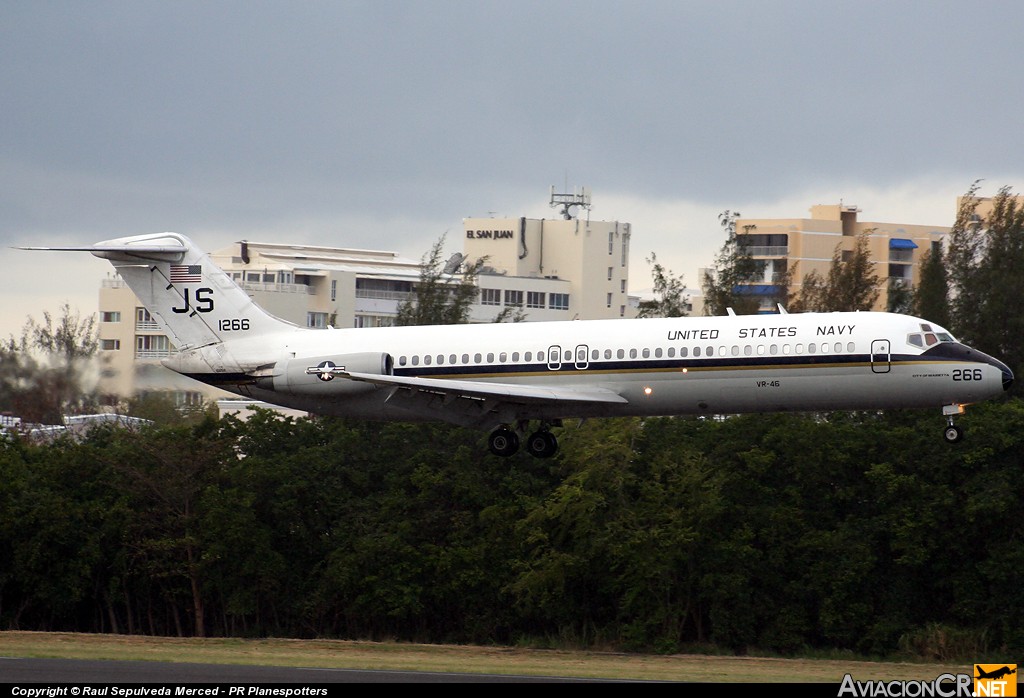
point(542, 444)
point(953, 434)
point(503, 442)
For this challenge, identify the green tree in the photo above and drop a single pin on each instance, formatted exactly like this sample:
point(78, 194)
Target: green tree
point(900, 297)
point(670, 298)
point(984, 260)
point(44, 374)
point(439, 297)
point(851, 283)
point(931, 297)
point(734, 268)
point(161, 409)
point(165, 473)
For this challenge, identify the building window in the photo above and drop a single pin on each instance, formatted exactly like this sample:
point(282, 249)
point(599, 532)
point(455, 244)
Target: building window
point(490, 296)
point(610, 269)
point(383, 289)
point(373, 321)
point(625, 249)
point(535, 299)
point(144, 322)
point(318, 320)
point(334, 289)
point(110, 344)
point(609, 300)
point(611, 242)
point(558, 301)
point(152, 346)
point(110, 316)
point(622, 311)
point(514, 298)
point(622, 286)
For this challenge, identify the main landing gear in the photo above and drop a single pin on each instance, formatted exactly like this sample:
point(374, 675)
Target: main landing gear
point(504, 441)
point(953, 433)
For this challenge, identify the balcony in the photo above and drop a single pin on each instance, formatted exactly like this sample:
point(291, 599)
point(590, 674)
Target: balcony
point(152, 354)
point(765, 250)
point(902, 272)
point(270, 287)
point(382, 295)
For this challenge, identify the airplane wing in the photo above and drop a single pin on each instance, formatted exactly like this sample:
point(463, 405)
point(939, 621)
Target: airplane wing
point(487, 402)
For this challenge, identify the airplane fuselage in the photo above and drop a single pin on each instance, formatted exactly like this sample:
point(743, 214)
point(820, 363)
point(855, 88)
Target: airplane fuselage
point(502, 376)
point(689, 365)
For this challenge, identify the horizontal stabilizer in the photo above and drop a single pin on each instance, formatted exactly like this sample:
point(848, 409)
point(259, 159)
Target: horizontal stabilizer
point(172, 252)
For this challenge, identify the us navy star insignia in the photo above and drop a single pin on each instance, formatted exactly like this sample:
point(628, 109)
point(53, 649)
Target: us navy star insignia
point(325, 370)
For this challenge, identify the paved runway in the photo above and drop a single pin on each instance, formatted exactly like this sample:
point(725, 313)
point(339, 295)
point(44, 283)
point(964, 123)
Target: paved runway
point(80, 671)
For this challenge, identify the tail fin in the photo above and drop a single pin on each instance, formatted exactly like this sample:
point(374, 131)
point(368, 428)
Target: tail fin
point(191, 298)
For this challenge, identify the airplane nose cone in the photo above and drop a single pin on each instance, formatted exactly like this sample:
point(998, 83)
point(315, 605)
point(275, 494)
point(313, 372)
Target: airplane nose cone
point(1007, 373)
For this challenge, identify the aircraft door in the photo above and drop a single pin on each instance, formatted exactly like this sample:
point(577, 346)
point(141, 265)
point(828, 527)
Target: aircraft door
point(582, 361)
point(880, 349)
point(554, 357)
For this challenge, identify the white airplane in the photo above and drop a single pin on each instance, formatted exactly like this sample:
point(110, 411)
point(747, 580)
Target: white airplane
point(502, 376)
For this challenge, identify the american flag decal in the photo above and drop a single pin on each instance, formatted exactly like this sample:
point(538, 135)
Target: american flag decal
point(186, 273)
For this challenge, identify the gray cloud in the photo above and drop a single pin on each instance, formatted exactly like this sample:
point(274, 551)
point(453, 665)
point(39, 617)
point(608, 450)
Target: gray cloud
point(293, 119)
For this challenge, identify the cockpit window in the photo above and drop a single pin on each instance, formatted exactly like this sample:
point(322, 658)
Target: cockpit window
point(928, 338)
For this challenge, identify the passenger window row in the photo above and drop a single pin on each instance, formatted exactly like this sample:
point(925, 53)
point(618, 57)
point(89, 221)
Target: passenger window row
point(516, 357)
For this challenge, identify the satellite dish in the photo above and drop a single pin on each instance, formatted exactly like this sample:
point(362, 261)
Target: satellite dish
point(453, 263)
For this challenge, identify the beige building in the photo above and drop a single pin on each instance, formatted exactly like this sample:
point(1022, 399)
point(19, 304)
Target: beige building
point(801, 245)
point(547, 269)
point(986, 205)
point(576, 267)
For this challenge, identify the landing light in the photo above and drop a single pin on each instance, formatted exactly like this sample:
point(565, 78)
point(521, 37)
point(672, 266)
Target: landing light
point(647, 390)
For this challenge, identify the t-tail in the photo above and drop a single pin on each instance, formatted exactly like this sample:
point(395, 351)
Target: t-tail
point(195, 303)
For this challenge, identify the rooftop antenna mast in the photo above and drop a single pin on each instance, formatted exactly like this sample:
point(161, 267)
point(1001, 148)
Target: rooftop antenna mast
point(568, 201)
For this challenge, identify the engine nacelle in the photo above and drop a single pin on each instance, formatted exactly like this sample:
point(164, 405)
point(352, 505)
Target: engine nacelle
point(322, 375)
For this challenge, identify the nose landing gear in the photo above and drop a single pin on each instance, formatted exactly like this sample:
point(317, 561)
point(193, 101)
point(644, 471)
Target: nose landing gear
point(953, 433)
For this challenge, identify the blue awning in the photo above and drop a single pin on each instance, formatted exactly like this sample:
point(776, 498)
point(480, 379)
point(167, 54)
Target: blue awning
point(902, 244)
point(756, 289)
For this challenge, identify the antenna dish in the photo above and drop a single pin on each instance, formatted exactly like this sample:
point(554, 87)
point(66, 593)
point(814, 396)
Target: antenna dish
point(453, 263)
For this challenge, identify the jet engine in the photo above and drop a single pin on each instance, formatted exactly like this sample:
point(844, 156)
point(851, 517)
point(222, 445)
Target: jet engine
point(324, 375)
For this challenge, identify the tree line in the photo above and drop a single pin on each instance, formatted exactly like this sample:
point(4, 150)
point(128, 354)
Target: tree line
point(862, 532)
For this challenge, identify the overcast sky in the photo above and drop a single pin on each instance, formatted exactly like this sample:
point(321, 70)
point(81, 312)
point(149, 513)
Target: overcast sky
point(383, 124)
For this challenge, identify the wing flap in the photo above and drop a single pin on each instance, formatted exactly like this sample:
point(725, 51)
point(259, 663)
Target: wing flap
point(503, 392)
